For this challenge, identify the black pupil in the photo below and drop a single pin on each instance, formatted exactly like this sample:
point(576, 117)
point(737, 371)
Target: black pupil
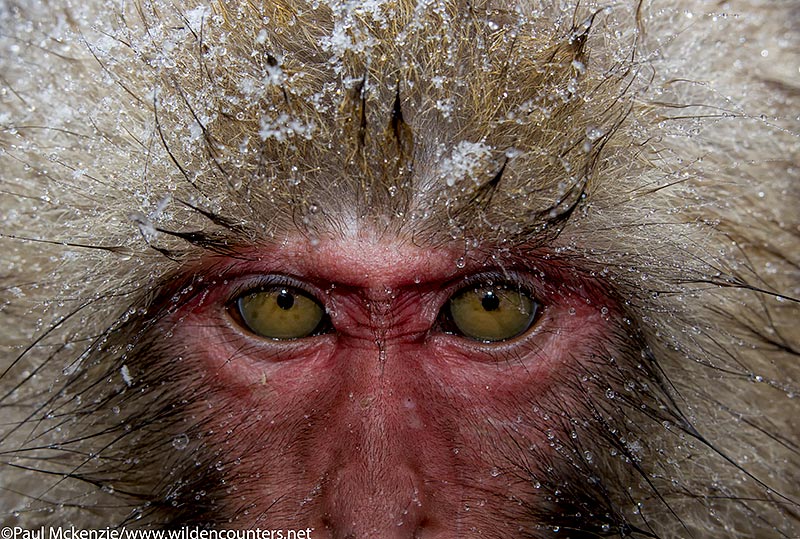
point(285, 300)
point(490, 301)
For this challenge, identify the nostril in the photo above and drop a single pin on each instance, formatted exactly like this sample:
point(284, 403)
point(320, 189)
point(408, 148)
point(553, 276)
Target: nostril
point(354, 522)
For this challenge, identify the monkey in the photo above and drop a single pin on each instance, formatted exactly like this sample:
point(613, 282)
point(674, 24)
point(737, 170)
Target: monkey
point(401, 268)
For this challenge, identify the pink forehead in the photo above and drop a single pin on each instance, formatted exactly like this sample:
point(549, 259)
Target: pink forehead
point(370, 262)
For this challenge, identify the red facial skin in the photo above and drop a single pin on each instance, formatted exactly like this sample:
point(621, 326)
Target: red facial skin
point(386, 426)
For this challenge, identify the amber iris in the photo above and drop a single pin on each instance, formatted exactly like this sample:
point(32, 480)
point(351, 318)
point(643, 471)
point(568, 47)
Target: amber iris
point(492, 313)
point(281, 313)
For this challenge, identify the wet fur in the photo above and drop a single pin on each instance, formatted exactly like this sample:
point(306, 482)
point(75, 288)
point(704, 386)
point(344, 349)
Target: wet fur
point(656, 152)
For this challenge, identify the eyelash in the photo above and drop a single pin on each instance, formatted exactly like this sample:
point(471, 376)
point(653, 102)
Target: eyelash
point(512, 279)
point(258, 283)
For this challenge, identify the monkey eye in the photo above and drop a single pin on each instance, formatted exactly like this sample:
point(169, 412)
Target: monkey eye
point(491, 313)
point(281, 313)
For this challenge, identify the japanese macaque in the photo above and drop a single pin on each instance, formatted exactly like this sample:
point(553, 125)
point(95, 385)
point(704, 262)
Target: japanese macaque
point(402, 268)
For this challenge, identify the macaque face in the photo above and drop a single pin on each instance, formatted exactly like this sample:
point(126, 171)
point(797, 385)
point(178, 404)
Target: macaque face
point(401, 268)
point(382, 417)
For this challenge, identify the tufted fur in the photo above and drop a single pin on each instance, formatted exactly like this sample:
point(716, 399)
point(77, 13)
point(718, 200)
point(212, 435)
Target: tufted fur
point(655, 143)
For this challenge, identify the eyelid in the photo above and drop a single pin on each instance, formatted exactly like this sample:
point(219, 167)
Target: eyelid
point(259, 283)
point(514, 278)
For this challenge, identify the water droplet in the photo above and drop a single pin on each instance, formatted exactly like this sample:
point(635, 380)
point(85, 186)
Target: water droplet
point(180, 442)
point(594, 133)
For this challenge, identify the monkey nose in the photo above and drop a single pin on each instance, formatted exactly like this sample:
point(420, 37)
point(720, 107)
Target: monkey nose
point(391, 506)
